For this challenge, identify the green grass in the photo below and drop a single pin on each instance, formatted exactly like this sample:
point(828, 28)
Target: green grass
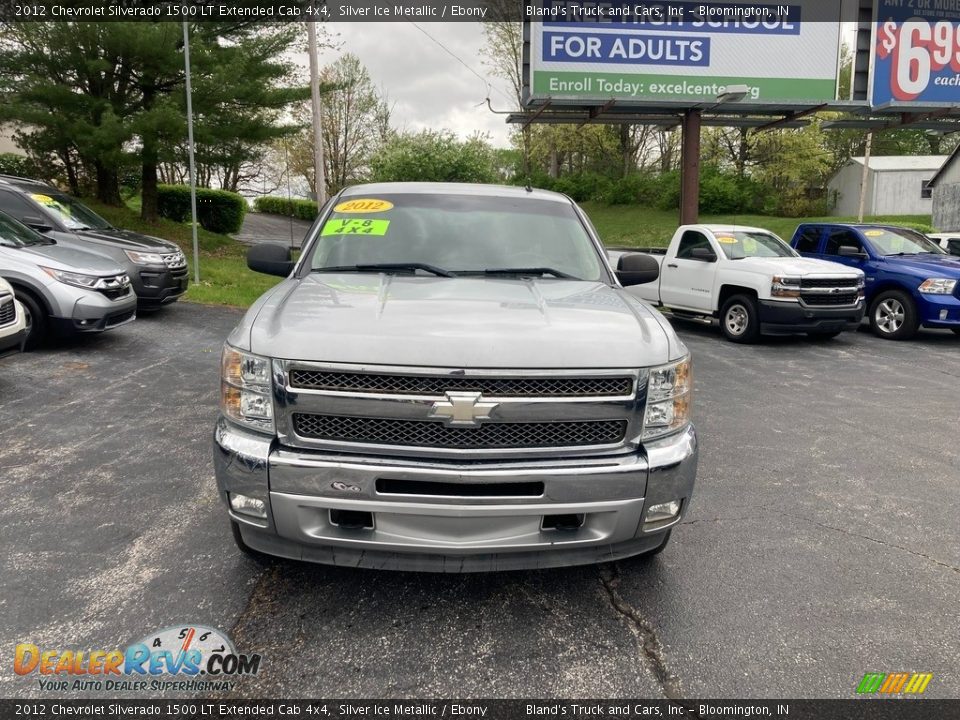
point(224, 276)
point(638, 226)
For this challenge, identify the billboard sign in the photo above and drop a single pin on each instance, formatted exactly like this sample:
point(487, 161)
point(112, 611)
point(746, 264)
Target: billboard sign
point(655, 52)
point(916, 53)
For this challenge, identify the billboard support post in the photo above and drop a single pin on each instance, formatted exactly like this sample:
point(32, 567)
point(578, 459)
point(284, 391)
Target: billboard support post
point(690, 168)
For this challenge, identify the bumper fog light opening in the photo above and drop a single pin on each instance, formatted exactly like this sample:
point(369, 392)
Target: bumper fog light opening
point(246, 505)
point(661, 514)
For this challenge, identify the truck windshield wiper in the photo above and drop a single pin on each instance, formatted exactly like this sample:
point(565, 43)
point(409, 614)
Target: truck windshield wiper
point(387, 267)
point(530, 271)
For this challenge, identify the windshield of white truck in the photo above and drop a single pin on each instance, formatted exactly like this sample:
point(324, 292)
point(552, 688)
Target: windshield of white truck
point(447, 234)
point(740, 244)
point(897, 241)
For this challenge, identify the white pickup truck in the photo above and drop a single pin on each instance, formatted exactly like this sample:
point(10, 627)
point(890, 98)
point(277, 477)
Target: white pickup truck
point(752, 281)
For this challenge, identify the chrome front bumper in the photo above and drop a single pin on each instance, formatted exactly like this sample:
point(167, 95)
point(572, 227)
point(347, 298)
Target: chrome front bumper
point(448, 533)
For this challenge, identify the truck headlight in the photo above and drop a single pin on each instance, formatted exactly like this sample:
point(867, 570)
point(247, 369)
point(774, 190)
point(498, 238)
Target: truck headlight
point(145, 258)
point(785, 287)
point(938, 286)
point(245, 386)
point(669, 391)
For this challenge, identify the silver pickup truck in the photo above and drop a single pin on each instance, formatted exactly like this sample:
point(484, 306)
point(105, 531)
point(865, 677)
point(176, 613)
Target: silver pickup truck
point(452, 378)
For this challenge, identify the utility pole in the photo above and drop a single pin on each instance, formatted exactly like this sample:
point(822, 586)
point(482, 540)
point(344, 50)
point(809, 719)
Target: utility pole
point(864, 177)
point(320, 179)
point(193, 170)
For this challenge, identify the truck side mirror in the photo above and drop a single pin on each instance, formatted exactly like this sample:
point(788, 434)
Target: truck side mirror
point(38, 224)
point(850, 251)
point(705, 254)
point(637, 269)
point(270, 259)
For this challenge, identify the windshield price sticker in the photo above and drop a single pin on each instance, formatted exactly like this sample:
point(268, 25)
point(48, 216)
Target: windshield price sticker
point(873, 233)
point(727, 240)
point(351, 226)
point(45, 200)
point(363, 205)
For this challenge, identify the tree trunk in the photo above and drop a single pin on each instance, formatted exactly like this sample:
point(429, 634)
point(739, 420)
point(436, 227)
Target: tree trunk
point(626, 150)
point(108, 184)
point(72, 182)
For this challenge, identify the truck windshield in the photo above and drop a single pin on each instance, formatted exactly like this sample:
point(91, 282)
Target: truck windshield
point(458, 234)
point(740, 244)
point(899, 241)
point(72, 213)
point(16, 234)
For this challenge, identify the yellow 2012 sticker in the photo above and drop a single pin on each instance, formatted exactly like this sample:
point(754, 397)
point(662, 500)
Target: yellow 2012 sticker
point(873, 233)
point(727, 240)
point(44, 199)
point(363, 205)
point(355, 226)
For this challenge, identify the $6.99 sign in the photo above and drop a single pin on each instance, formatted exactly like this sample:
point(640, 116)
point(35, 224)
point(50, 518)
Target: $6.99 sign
point(918, 59)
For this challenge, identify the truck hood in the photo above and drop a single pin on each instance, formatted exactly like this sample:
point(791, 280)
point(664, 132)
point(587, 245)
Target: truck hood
point(795, 266)
point(60, 257)
point(456, 323)
point(928, 265)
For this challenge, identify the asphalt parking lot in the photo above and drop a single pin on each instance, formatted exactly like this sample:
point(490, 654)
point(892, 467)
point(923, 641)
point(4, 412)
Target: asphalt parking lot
point(823, 541)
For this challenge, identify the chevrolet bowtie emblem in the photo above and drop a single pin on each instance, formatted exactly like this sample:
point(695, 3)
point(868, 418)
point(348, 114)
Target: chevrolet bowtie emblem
point(462, 409)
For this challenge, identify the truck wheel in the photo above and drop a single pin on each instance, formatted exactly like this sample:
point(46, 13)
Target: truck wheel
point(36, 318)
point(738, 319)
point(256, 555)
point(893, 316)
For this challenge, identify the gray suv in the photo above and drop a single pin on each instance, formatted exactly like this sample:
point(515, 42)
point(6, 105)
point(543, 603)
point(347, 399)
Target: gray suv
point(157, 268)
point(62, 290)
point(453, 378)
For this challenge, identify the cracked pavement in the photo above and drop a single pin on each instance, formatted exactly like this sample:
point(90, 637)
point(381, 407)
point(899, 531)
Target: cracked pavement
point(822, 542)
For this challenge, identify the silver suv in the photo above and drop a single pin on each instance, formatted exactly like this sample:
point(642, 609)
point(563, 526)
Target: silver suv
point(62, 290)
point(452, 378)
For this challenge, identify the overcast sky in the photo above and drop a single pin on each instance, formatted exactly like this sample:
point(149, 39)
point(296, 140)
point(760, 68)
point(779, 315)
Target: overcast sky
point(425, 86)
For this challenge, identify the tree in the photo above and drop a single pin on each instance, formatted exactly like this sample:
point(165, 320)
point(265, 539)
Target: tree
point(103, 96)
point(435, 156)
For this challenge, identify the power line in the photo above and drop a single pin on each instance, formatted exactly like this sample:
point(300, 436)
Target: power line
point(457, 58)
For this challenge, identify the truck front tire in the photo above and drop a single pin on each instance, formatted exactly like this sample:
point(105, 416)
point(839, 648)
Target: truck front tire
point(739, 319)
point(893, 315)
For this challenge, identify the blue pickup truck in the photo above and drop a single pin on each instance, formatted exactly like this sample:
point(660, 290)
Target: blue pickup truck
point(911, 281)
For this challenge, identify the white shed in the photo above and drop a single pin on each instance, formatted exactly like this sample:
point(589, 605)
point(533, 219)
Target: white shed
point(896, 185)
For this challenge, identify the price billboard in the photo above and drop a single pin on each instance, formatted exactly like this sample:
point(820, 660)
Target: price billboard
point(916, 53)
point(647, 52)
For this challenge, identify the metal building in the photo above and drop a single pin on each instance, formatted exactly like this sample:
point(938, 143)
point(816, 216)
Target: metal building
point(946, 194)
point(896, 185)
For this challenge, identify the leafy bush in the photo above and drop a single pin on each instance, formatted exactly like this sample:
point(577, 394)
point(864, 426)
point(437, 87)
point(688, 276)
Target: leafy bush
point(431, 156)
point(290, 207)
point(218, 211)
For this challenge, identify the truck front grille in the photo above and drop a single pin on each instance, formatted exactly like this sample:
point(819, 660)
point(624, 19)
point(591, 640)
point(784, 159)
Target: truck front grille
point(434, 385)
point(429, 433)
point(846, 298)
point(8, 310)
point(828, 283)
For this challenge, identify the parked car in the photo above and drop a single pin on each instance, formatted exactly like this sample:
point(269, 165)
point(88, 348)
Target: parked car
point(13, 322)
point(157, 268)
point(451, 378)
point(62, 290)
point(948, 241)
point(752, 281)
point(910, 280)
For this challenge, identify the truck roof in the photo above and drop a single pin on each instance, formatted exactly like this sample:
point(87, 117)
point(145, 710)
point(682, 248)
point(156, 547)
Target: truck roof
point(728, 228)
point(452, 188)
